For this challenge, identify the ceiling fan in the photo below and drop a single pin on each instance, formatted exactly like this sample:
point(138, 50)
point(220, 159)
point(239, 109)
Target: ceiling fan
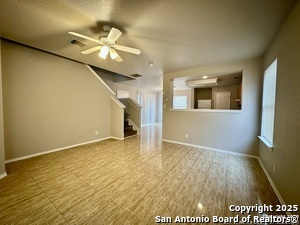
point(107, 45)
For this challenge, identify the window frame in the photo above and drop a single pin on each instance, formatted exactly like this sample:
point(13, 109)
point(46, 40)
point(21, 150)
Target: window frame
point(268, 105)
point(180, 96)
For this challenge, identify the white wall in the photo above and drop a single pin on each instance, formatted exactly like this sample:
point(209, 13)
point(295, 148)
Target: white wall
point(230, 131)
point(286, 152)
point(50, 102)
point(2, 166)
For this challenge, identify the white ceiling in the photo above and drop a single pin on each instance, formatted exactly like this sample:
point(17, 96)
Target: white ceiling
point(173, 34)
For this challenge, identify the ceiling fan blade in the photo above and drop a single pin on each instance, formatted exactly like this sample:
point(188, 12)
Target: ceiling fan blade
point(113, 35)
point(90, 50)
point(119, 59)
point(85, 37)
point(127, 49)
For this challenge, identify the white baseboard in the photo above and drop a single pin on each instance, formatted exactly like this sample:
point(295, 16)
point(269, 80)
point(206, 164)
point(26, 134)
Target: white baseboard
point(212, 149)
point(56, 150)
point(120, 139)
point(3, 175)
point(272, 183)
point(131, 136)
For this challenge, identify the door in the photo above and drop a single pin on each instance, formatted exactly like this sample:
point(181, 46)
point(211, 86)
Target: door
point(147, 101)
point(140, 100)
point(222, 100)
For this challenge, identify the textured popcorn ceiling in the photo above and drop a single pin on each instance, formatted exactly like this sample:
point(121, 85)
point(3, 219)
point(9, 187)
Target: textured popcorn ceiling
point(173, 34)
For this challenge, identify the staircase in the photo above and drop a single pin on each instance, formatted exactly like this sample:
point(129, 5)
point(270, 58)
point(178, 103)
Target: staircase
point(128, 129)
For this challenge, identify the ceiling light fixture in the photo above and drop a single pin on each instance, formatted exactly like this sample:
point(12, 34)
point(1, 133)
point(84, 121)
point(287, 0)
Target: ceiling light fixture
point(151, 64)
point(204, 77)
point(199, 83)
point(105, 44)
point(104, 51)
point(113, 54)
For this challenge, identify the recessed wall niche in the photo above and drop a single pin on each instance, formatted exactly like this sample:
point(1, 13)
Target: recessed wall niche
point(218, 91)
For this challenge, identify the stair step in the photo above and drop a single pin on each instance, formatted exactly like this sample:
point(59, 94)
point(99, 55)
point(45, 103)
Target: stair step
point(130, 133)
point(128, 128)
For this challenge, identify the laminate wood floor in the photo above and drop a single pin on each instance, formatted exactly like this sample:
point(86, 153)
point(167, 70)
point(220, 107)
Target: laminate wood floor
point(130, 182)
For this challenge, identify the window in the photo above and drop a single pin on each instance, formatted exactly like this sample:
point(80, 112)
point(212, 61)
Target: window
point(149, 107)
point(268, 106)
point(179, 102)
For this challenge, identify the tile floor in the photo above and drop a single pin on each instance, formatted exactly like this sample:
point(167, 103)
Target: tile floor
point(129, 182)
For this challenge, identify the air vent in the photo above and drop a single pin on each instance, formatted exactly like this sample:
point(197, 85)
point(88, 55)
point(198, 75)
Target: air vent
point(136, 75)
point(76, 42)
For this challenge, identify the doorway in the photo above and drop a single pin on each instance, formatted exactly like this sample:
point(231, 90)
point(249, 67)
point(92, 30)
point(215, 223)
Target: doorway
point(222, 100)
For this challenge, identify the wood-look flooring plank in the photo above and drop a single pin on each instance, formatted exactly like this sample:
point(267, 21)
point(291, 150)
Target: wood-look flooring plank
point(35, 210)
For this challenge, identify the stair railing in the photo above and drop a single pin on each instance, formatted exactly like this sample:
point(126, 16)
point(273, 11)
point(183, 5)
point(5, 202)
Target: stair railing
point(133, 112)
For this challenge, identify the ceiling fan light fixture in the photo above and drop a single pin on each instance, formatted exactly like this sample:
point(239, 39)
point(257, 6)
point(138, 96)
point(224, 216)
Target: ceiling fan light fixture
point(107, 45)
point(113, 54)
point(104, 52)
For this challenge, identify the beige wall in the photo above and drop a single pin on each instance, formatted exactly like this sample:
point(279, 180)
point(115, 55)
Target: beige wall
point(286, 153)
point(230, 131)
point(117, 119)
point(2, 166)
point(50, 102)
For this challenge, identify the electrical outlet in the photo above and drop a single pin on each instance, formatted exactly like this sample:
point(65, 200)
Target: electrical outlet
point(96, 132)
point(186, 135)
point(274, 168)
